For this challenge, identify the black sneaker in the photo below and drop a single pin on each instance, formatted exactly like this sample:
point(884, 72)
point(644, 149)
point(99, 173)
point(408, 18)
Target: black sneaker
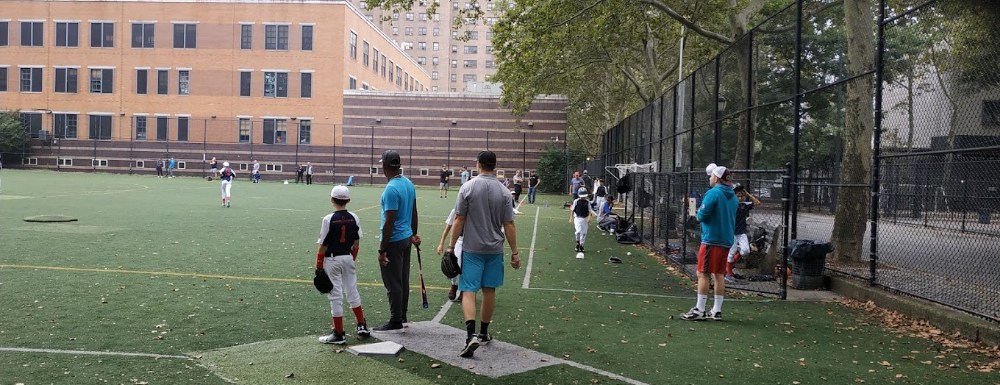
point(485, 339)
point(363, 331)
point(717, 316)
point(578, 248)
point(581, 249)
point(336, 338)
point(694, 315)
point(470, 347)
point(452, 292)
point(388, 327)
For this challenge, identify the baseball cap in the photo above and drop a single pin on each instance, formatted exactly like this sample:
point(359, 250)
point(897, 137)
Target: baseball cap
point(340, 192)
point(711, 167)
point(487, 158)
point(582, 192)
point(225, 164)
point(721, 172)
point(390, 158)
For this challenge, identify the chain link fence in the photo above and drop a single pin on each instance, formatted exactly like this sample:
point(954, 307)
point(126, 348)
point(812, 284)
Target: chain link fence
point(916, 213)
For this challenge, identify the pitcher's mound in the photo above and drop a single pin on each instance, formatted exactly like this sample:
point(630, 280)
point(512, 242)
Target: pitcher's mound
point(50, 218)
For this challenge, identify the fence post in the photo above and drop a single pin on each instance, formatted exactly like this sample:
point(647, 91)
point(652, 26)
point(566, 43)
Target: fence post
point(965, 202)
point(786, 211)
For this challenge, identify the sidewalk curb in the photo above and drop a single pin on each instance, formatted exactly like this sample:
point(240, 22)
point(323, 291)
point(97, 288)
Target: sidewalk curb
point(971, 327)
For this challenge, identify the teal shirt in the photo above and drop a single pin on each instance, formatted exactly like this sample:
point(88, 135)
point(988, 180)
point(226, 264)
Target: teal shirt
point(717, 215)
point(399, 195)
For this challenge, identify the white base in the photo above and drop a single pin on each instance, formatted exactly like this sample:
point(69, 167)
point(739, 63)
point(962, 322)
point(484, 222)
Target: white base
point(379, 349)
point(579, 255)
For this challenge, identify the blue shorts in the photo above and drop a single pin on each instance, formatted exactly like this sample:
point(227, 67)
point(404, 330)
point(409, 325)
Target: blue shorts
point(481, 270)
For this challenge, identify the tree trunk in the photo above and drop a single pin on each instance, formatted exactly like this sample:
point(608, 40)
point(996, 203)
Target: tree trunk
point(853, 202)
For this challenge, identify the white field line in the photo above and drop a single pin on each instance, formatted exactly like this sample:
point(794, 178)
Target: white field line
point(531, 252)
point(91, 353)
point(648, 295)
point(604, 373)
point(441, 313)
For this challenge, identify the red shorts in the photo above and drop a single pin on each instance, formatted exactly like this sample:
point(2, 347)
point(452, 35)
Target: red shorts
point(712, 259)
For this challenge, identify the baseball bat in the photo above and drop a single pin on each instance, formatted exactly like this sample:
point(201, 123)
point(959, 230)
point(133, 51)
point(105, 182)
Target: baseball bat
point(420, 272)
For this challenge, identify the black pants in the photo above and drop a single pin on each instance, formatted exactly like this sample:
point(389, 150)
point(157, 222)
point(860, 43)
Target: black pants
point(298, 178)
point(309, 179)
point(396, 278)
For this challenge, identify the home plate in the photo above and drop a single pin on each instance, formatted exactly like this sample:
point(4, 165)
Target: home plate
point(380, 349)
point(443, 343)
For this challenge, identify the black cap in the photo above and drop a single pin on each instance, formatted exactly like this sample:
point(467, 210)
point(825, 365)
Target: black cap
point(390, 158)
point(488, 159)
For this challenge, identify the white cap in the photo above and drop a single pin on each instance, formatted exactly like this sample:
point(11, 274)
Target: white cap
point(719, 172)
point(225, 164)
point(340, 192)
point(582, 192)
point(708, 169)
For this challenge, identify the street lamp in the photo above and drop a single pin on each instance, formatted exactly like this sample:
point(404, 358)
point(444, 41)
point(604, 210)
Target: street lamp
point(720, 108)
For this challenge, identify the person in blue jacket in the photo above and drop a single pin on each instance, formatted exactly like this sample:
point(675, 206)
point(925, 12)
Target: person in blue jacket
point(717, 215)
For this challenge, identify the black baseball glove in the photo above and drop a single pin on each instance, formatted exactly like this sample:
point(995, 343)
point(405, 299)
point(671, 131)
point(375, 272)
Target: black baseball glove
point(322, 281)
point(449, 265)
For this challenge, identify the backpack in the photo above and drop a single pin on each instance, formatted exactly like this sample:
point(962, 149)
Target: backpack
point(623, 185)
point(227, 173)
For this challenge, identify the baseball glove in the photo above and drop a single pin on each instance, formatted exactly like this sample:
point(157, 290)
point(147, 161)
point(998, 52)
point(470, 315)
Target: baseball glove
point(322, 282)
point(449, 265)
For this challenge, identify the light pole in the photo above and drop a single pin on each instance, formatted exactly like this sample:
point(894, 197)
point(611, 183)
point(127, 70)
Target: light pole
point(298, 138)
point(720, 108)
point(371, 175)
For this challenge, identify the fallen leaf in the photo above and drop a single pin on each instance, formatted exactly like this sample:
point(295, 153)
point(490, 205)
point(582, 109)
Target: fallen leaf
point(435, 365)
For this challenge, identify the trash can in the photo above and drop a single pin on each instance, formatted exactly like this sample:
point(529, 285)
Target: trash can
point(808, 262)
point(984, 216)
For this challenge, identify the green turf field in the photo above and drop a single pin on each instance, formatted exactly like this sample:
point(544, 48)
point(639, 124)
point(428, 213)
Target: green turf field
point(156, 283)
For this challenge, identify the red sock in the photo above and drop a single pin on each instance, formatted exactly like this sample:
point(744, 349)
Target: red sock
point(359, 313)
point(338, 324)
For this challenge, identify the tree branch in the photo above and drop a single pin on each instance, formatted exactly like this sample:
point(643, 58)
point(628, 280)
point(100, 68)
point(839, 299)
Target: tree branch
point(687, 22)
point(581, 12)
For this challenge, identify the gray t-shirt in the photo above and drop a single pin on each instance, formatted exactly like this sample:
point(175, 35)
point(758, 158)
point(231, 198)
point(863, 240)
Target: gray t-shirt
point(486, 204)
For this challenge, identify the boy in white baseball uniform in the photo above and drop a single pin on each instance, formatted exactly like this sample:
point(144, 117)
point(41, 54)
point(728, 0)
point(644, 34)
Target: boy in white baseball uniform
point(453, 293)
point(579, 216)
point(338, 249)
point(227, 175)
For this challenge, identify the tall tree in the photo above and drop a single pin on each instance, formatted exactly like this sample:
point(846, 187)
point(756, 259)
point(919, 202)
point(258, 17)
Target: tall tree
point(14, 136)
point(852, 205)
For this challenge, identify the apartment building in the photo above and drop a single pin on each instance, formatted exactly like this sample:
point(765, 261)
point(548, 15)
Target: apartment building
point(268, 72)
point(458, 60)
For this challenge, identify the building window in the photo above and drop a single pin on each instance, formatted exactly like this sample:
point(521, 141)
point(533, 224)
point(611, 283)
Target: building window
point(489, 64)
point(4, 38)
point(454, 64)
point(422, 46)
point(67, 34)
point(435, 46)
point(276, 37)
point(162, 128)
point(182, 129)
point(186, 36)
point(102, 81)
point(991, 113)
point(275, 131)
point(66, 80)
point(352, 83)
point(244, 130)
point(421, 60)
point(99, 162)
point(408, 31)
point(3, 79)
point(305, 131)
point(140, 127)
point(143, 35)
point(141, 81)
point(32, 33)
point(162, 85)
point(421, 31)
point(364, 53)
point(102, 35)
point(353, 43)
point(435, 60)
point(454, 78)
point(471, 49)
point(183, 82)
point(383, 65)
point(375, 60)
point(65, 126)
point(399, 76)
point(470, 64)
point(391, 67)
point(395, 30)
point(436, 31)
point(31, 80)
point(32, 122)
point(472, 35)
point(65, 161)
point(100, 127)
point(245, 82)
point(434, 75)
point(307, 38)
point(469, 77)
point(246, 36)
point(409, 17)
point(305, 86)
point(275, 84)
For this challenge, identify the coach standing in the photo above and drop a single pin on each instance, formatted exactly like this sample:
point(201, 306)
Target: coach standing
point(717, 215)
point(484, 216)
point(399, 230)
